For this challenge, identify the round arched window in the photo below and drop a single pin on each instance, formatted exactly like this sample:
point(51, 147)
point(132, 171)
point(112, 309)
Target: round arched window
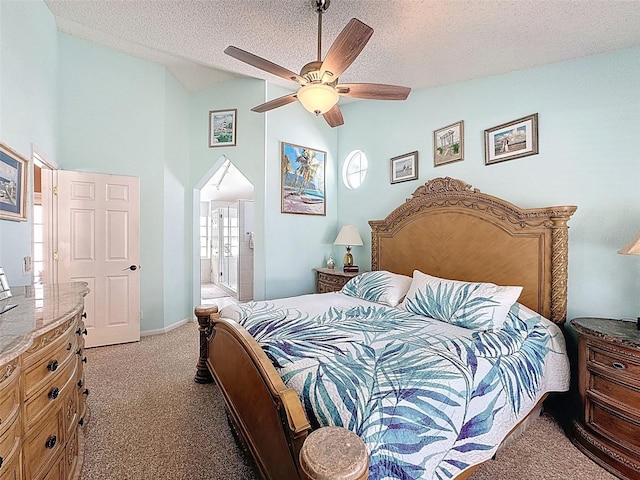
point(354, 169)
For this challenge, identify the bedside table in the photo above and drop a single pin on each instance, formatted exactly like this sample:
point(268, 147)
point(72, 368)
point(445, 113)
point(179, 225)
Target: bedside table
point(608, 427)
point(332, 279)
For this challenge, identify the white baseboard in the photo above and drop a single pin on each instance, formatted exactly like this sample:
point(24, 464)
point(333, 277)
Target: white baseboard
point(148, 333)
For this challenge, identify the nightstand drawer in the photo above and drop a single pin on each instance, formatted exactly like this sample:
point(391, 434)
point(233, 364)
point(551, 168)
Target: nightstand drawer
point(623, 394)
point(615, 426)
point(615, 362)
point(332, 283)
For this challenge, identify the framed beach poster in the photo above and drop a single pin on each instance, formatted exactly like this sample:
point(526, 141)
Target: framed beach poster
point(515, 139)
point(303, 176)
point(222, 128)
point(13, 184)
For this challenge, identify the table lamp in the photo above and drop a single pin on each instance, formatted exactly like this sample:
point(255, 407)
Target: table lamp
point(348, 237)
point(632, 248)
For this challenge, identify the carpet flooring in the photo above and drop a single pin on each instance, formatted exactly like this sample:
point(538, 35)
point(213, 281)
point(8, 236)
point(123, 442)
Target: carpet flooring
point(150, 420)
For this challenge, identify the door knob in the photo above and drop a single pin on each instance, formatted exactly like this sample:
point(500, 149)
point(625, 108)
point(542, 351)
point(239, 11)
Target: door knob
point(133, 268)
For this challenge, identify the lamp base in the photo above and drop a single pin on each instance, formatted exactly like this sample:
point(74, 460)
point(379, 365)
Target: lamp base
point(348, 258)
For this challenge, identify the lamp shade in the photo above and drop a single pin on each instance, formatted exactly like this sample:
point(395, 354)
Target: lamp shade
point(318, 98)
point(633, 248)
point(349, 236)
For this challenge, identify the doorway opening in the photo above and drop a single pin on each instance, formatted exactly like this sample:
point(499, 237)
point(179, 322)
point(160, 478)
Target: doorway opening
point(226, 228)
point(43, 240)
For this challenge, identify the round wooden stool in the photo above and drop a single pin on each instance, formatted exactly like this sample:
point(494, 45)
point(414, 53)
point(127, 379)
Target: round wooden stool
point(334, 453)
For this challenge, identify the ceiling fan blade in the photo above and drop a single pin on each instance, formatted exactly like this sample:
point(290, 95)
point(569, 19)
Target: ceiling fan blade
point(263, 64)
point(373, 91)
point(275, 103)
point(334, 117)
point(346, 47)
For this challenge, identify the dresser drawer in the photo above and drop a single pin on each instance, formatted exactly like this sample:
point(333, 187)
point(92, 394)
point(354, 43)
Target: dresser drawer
point(57, 472)
point(52, 395)
point(10, 445)
point(47, 368)
point(9, 396)
point(12, 466)
point(43, 443)
point(48, 344)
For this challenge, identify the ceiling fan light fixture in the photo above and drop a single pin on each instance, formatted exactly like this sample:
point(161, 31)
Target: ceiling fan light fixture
point(318, 98)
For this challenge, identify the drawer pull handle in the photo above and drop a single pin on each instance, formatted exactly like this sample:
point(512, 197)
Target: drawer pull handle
point(81, 422)
point(80, 331)
point(84, 360)
point(51, 442)
point(86, 392)
point(619, 366)
point(79, 351)
point(1, 461)
point(80, 383)
point(53, 394)
point(69, 346)
point(84, 315)
point(53, 365)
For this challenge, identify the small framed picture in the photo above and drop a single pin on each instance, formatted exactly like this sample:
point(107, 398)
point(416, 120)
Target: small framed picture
point(222, 128)
point(448, 144)
point(13, 184)
point(404, 167)
point(515, 139)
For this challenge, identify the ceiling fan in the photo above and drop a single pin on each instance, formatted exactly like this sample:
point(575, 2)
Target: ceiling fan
point(319, 90)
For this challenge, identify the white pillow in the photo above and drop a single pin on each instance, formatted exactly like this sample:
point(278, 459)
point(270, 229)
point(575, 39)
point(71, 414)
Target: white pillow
point(478, 306)
point(380, 287)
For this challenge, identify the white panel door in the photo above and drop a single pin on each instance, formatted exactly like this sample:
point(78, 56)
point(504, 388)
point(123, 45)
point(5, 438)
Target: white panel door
point(98, 243)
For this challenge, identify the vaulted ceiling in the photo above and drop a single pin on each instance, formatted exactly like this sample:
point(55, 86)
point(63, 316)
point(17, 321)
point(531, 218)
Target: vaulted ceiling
point(416, 43)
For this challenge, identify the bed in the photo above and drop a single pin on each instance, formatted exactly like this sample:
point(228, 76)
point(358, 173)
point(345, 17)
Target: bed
point(430, 398)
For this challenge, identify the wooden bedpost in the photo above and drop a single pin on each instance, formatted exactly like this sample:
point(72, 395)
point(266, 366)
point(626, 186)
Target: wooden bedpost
point(203, 314)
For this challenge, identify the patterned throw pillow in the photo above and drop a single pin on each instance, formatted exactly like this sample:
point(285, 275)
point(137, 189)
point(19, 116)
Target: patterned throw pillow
point(478, 306)
point(380, 287)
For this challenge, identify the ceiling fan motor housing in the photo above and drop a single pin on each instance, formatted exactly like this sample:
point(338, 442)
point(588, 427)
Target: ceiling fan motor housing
point(320, 6)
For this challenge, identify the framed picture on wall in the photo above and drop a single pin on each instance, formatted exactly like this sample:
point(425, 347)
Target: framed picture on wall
point(448, 144)
point(515, 139)
point(404, 167)
point(303, 176)
point(222, 128)
point(13, 184)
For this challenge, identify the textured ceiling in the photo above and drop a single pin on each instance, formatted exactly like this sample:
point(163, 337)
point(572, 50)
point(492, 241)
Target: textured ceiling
point(415, 43)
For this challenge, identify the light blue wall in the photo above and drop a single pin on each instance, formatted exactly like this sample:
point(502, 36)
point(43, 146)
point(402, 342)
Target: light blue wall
point(116, 118)
point(177, 204)
point(589, 144)
point(28, 108)
point(296, 244)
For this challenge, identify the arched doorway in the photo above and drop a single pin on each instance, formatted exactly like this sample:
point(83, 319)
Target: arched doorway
point(226, 230)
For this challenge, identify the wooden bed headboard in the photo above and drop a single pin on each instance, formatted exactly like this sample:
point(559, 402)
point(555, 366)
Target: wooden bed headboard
point(449, 230)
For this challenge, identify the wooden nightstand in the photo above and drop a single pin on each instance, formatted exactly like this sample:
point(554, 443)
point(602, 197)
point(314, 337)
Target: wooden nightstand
point(608, 428)
point(332, 279)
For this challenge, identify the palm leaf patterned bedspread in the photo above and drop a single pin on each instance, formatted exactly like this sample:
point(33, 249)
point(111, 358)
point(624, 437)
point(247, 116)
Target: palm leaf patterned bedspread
point(429, 399)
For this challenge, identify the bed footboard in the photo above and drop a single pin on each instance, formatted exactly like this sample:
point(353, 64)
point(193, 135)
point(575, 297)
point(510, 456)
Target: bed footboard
point(267, 414)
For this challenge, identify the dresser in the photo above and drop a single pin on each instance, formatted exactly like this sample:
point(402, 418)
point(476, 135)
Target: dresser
point(608, 427)
point(332, 279)
point(43, 407)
